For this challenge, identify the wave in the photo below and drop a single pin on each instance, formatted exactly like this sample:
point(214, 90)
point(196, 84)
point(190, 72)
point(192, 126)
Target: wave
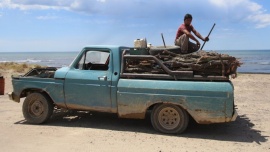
point(44, 62)
point(264, 63)
point(258, 62)
point(29, 61)
point(24, 61)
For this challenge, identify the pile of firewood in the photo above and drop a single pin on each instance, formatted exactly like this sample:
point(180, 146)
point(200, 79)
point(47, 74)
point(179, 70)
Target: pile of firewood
point(200, 62)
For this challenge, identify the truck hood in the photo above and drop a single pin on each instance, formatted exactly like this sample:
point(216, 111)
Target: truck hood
point(61, 73)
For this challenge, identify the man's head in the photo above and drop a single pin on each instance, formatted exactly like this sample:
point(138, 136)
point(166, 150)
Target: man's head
point(187, 19)
point(188, 16)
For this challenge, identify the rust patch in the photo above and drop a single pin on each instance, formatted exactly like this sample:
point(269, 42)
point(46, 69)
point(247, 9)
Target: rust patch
point(61, 105)
point(87, 108)
point(206, 117)
point(133, 115)
point(135, 110)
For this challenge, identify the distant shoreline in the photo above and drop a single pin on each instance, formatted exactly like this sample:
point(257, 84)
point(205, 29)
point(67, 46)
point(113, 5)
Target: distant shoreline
point(253, 73)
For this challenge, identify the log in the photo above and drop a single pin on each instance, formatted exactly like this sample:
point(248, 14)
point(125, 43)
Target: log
point(201, 63)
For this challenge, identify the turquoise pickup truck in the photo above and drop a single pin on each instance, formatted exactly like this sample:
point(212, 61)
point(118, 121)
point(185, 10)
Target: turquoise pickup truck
point(98, 80)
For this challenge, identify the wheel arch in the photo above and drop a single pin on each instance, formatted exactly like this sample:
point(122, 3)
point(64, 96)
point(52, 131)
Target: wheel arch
point(28, 91)
point(151, 107)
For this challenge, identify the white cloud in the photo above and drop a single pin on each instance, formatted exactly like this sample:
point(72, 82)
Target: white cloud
point(261, 20)
point(226, 3)
point(76, 5)
point(230, 10)
point(103, 1)
point(244, 10)
point(33, 4)
point(47, 17)
point(118, 8)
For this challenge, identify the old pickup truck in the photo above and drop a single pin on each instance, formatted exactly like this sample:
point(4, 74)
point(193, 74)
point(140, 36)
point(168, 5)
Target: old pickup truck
point(98, 80)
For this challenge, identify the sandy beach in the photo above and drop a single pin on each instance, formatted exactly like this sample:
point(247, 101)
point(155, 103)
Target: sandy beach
point(105, 132)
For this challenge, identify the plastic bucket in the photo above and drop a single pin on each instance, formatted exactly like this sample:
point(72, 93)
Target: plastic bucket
point(140, 43)
point(2, 85)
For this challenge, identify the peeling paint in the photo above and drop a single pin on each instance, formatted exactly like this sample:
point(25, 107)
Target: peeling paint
point(88, 108)
point(209, 117)
point(132, 110)
point(133, 115)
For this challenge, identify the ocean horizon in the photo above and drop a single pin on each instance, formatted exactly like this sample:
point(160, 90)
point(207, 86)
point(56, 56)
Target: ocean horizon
point(254, 61)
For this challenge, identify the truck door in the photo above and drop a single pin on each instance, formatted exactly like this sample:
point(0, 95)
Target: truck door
point(88, 84)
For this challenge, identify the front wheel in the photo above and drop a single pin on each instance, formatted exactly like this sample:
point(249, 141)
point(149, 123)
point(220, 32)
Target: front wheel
point(37, 108)
point(168, 118)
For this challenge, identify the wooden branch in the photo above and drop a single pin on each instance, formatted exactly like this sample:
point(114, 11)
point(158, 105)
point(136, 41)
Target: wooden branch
point(201, 62)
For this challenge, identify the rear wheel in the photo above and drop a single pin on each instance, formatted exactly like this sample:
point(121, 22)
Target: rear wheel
point(168, 118)
point(37, 108)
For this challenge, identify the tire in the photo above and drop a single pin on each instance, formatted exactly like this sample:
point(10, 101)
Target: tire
point(37, 108)
point(159, 49)
point(169, 119)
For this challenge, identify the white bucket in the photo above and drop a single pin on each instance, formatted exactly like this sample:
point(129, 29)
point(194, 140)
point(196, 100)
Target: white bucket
point(140, 43)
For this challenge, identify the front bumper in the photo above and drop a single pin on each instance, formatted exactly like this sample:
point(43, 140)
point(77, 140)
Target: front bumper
point(12, 96)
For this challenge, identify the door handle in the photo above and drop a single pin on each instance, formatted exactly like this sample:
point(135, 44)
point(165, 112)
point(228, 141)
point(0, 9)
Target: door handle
point(102, 78)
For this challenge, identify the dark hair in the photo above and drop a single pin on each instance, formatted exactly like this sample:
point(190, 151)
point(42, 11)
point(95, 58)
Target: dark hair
point(188, 16)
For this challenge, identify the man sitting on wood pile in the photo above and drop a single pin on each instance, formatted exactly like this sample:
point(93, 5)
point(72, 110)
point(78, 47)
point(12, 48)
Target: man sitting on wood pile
point(184, 33)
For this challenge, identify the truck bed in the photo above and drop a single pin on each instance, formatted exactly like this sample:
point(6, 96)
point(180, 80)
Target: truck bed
point(167, 66)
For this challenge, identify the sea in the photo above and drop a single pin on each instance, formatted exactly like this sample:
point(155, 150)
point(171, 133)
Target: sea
point(254, 61)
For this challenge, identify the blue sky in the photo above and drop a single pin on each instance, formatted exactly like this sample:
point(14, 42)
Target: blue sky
point(69, 25)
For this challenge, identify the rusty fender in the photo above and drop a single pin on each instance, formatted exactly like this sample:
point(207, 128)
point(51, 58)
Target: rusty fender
point(134, 111)
point(208, 117)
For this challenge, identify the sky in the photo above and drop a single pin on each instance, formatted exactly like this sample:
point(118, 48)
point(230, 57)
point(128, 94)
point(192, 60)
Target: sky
point(69, 25)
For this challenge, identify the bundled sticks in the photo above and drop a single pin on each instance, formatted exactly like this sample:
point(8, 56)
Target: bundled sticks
point(200, 62)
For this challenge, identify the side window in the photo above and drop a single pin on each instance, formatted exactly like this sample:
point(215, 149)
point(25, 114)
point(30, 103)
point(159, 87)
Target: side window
point(94, 60)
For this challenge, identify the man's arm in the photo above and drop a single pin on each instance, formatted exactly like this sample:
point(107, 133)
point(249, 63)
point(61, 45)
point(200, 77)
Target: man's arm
point(199, 35)
point(190, 35)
